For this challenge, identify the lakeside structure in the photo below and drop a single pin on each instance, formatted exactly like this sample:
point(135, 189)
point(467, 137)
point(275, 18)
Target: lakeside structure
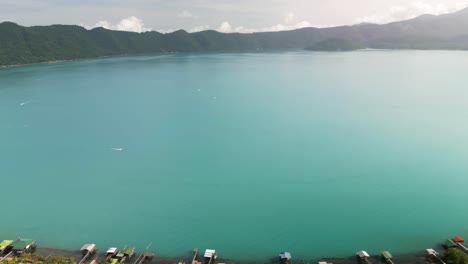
point(432, 253)
point(363, 256)
point(285, 257)
point(4, 245)
point(387, 256)
point(87, 250)
point(459, 240)
point(88, 254)
point(21, 246)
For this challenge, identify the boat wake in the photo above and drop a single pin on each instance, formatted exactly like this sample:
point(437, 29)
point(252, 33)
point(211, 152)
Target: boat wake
point(117, 149)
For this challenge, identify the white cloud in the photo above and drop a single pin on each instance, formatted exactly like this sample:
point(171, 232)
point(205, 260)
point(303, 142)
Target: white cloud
point(103, 23)
point(136, 25)
point(412, 10)
point(303, 24)
point(199, 28)
point(281, 27)
point(165, 31)
point(7, 20)
point(133, 24)
point(225, 27)
point(186, 14)
point(290, 23)
point(289, 17)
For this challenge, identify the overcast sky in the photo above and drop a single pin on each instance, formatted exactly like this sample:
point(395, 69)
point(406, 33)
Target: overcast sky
point(221, 15)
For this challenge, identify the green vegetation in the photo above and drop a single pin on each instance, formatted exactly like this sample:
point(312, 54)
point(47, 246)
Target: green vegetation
point(37, 259)
point(23, 45)
point(455, 256)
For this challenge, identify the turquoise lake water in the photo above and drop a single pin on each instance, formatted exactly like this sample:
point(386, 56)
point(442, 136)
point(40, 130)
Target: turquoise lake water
point(319, 154)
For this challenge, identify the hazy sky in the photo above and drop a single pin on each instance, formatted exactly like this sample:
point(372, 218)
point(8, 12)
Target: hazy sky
point(222, 15)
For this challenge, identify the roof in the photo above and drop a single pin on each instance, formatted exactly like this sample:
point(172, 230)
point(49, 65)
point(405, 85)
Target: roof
point(112, 250)
point(387, 255)
point(89, 247)
point(363, 254)
point(431, 251)
point(21, 244)
point(458, 239)
point(209, 253)
point(449, 243)
point(128, 251)
point(285, 255)
point(5, 243)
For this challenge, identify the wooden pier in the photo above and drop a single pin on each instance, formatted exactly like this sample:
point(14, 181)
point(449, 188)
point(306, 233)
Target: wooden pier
point(88, 250)
point(434, 254)
point(459, 241)
point(363, 256)
point(111, 252)
point(144, 256)
point(387, 256)
point(285, 257)
point(6, 256)
point(5, 246)
point(210, 256)
point(126, 254)
point(195, 256)
point(22, 246)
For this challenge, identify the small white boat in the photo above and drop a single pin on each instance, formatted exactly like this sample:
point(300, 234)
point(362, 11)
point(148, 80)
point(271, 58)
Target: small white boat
point(117, 149)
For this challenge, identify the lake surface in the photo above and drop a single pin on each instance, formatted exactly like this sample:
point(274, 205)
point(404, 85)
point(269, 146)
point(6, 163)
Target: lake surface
point(319, 154)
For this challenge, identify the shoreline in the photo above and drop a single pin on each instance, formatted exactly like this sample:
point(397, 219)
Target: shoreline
point(197, 52)
point(414, 258)
point(35, 63)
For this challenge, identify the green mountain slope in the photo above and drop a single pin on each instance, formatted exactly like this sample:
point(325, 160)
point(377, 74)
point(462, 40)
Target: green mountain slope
point(23, 45)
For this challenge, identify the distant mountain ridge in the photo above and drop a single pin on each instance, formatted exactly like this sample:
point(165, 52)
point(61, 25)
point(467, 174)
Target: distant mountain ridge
point(23, 45)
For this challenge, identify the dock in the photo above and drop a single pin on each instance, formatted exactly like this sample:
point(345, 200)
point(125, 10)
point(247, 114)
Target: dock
point(387, 256)
point(87, 250)
point(459, 240)
point(210, 256)
point(6, 256)
point(285, 257)
point(449, 243)
point(195, 256)
point(22, 246)
point(434, 254)
point(363, 256)
point(144, 256)
point(126, 254)
point(111, 252)
point(5, 246)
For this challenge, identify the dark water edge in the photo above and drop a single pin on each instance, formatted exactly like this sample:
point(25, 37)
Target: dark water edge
point(416, 258)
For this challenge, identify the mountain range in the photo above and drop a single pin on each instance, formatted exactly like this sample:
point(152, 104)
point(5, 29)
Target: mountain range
point(24, 45)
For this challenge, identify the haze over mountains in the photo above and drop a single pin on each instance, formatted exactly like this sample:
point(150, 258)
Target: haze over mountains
point(23, 45)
